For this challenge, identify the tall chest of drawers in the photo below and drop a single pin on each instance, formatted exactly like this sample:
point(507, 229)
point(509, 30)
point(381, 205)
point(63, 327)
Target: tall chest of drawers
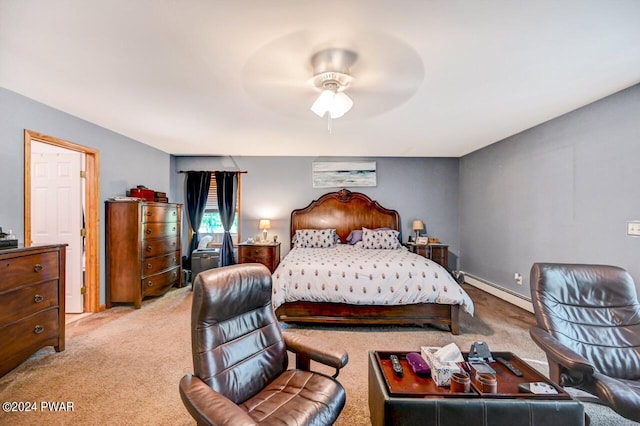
point(32, 295)
point(143, 250)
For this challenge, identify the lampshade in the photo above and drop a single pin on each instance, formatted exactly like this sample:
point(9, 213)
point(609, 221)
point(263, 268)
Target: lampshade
point(336, 104)
point(265, 224)
point(418, 225)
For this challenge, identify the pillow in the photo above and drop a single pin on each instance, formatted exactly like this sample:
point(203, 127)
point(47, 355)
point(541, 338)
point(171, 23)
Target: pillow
point(385, 239)
point(354, 236)
point(336, 239)
point(315, 238)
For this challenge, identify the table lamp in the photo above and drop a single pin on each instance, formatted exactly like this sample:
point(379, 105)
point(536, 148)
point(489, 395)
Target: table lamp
point(418, 226)
point(264, 225)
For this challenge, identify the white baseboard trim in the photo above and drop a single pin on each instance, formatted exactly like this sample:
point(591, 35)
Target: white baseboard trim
point(501, 293)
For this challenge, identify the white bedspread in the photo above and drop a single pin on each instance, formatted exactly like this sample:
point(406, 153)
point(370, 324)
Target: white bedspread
point(358, 276)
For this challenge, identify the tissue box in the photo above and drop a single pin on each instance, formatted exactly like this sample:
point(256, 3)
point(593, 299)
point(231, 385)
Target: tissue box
point(441, 372)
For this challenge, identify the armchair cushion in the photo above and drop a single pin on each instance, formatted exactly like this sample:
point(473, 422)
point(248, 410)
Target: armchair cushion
point(314, 398)
point(310, 398)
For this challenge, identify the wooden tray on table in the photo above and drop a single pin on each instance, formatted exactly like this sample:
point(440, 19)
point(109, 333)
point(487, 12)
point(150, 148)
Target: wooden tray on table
point(414, 386)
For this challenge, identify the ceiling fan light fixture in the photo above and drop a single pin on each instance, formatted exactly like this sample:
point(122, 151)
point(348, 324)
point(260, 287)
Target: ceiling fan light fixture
point(342, 102)
point(332, 78)
point(336, 104)
point(324, 102)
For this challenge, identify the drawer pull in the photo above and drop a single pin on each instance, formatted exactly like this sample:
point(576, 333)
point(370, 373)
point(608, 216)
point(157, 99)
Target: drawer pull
point(149, 248)
point(173, 229)
point(149, 213)
point(38, 329)
point(175, 274)
point(256, 252)
point(38, 298)
point(173, 213)
point(149, 266)
point(173, 243)
point(149, 283)
point(38, 267)
point(148, 231)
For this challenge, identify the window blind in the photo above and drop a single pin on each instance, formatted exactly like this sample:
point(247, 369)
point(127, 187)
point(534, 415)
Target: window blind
point(212, 198)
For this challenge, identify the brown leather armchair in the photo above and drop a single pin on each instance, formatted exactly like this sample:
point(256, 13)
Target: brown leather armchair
point(588, 320)
point(240, 357)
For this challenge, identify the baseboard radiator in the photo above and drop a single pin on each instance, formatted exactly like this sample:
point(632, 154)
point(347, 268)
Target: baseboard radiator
point(498, 291)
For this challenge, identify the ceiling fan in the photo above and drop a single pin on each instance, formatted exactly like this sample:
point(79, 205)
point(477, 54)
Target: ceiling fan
point(365, 72)
point(332, 77)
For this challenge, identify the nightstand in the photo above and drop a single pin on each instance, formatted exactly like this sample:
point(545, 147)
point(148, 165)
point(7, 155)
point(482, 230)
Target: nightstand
point(268, 254)
point(439, 253)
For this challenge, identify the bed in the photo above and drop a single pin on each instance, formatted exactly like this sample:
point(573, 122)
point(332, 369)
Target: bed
point(351, 284)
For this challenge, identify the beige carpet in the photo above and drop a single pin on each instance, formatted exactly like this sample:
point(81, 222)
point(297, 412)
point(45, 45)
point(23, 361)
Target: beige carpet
point(122, 366)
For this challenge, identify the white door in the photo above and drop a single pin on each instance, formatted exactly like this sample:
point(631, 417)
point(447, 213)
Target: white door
point(56, 211)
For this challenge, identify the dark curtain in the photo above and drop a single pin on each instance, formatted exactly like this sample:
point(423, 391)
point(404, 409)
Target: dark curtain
point(197, 186)
point(227, 193)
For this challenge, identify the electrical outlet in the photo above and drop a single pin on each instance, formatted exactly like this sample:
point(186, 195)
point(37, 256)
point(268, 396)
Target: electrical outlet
point(633, 228)
point(518, 277)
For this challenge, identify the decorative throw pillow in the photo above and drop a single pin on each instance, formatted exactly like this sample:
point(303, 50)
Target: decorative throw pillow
point(354, 236)
point(380, 239)
point(315, 238)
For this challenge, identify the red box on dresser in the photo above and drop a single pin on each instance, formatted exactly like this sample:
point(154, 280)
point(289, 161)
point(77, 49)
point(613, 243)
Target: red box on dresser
point(145, 194)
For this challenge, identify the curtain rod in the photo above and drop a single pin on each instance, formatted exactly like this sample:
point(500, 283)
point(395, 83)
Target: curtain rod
point(237, 171)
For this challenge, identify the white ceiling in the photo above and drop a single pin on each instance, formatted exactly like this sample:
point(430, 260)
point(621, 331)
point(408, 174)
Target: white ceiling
point(205, 77)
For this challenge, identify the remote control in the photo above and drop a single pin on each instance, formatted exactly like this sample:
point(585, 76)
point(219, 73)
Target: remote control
point(510, 366)
point(395, 363)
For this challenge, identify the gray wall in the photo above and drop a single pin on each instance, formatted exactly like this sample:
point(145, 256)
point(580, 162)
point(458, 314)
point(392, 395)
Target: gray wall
point(124, 163)
point(559, 192)
point(419, 188)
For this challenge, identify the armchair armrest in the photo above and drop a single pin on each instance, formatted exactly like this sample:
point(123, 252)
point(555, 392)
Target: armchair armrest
point(308, 348)
point(209, 407)
point(560, 353)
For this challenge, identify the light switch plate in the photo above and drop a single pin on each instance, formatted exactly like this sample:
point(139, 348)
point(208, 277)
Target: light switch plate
point(633, 228)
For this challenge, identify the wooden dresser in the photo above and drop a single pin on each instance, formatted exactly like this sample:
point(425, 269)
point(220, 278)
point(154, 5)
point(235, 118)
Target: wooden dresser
point(143, 250)
point(31, 302)
point(268, 254)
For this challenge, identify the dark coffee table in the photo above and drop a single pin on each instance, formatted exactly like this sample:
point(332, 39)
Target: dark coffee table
point(413, 400)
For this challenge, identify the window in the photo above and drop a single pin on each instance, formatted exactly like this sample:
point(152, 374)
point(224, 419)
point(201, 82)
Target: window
point(211, 223)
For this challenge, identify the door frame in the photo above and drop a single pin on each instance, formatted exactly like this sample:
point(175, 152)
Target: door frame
point(92, 210)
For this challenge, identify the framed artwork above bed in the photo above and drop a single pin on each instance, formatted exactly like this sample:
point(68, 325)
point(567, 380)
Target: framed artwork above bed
point(338, 174)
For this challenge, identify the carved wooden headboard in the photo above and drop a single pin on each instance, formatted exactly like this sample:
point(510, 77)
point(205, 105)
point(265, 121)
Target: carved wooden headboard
point(344, 211)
